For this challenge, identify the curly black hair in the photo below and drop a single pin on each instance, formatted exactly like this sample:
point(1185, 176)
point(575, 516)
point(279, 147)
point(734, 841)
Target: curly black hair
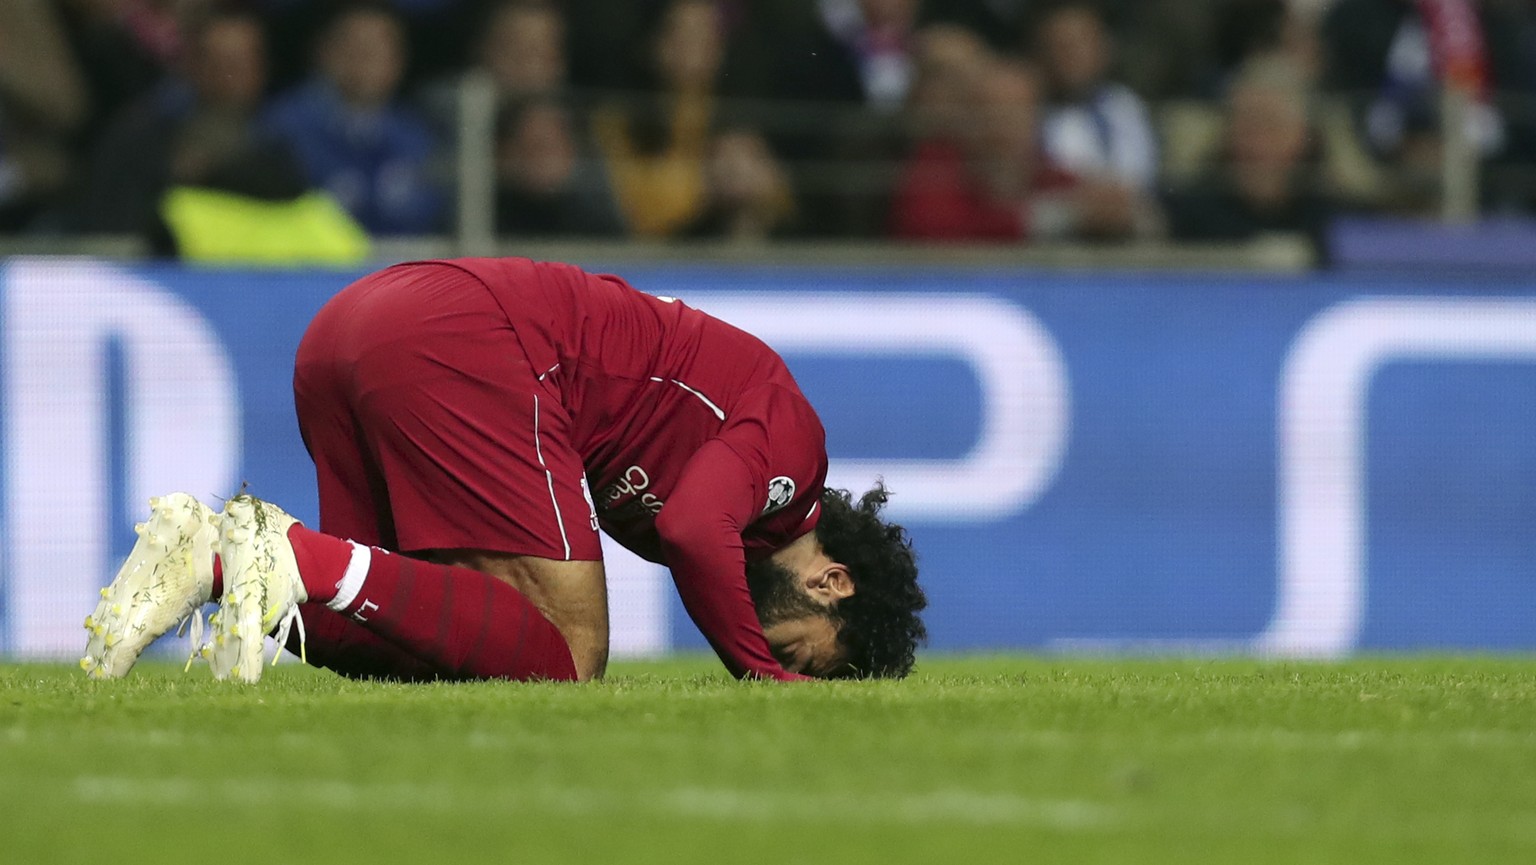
point(879, 627)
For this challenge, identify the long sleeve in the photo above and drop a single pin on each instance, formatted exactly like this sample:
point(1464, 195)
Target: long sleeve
point(700, 530)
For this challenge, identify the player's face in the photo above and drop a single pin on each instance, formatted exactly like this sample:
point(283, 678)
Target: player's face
point(806, 645)
point(799, 628)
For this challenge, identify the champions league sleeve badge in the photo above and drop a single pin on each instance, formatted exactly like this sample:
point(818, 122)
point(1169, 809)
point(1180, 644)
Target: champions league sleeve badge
point(780, 491)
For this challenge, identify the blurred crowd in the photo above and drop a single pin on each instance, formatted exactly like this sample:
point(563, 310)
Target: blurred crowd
point(939, 121)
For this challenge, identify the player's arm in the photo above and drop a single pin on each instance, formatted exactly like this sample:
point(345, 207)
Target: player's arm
point(700, 529)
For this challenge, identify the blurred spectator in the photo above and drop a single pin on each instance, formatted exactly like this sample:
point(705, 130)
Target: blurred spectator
point(1093, 127)
point(200, 129)
point(655, 144)
point(155, 25)
point(1162, 46)
point(1394, 57)
point(867, 51)
point(43, 102)
point(1265, 180)
point(524, 48)
point(124, 48)
point(1254, 29)
point(606, 40)
point(1003, 23)
point(950, 63)
point(805, 91)
point(352, 135)
point(546, 182)
point(436, 33)
point(836, 137)
point(519, 47)
point(777, 50)
point(993, 182)
point(747, 198)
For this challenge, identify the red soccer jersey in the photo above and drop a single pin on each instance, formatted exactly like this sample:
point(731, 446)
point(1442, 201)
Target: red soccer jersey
point(699, 448)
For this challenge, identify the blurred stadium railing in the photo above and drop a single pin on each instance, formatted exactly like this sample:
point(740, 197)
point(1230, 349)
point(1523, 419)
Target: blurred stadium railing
point(855, 172)
point(1270, 254)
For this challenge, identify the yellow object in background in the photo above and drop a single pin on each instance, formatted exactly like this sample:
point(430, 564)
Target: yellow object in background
point(210, 226)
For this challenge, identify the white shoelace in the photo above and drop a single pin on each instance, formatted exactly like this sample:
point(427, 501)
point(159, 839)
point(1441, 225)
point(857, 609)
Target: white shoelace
point(281, 636)
point(195, 620)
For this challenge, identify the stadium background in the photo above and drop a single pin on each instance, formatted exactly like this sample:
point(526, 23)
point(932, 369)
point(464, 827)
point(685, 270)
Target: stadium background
point(1181, 411)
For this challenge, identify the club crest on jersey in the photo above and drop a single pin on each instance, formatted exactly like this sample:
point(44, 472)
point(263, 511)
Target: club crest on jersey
point(780, 491)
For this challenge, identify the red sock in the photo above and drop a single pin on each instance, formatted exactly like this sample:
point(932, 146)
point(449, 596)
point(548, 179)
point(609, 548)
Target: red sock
point(464, 623)
point(316, 560)
point(337, 643)
point(322, 561)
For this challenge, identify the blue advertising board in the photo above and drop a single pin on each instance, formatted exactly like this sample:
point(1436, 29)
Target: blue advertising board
point(1303, 466)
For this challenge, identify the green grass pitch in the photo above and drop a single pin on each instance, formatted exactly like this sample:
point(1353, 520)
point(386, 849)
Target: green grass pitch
point(1010, 759)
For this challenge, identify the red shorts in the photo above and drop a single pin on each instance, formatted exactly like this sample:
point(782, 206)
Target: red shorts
point(428, 427)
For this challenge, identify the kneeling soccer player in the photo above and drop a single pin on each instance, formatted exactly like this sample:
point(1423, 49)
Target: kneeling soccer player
point(483, 418)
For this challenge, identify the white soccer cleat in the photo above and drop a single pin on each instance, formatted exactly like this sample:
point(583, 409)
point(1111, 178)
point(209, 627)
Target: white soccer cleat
point(262, 589)
point(166, 579)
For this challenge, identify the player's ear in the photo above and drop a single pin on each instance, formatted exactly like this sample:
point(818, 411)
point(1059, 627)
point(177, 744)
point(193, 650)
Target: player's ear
point(831, 583)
